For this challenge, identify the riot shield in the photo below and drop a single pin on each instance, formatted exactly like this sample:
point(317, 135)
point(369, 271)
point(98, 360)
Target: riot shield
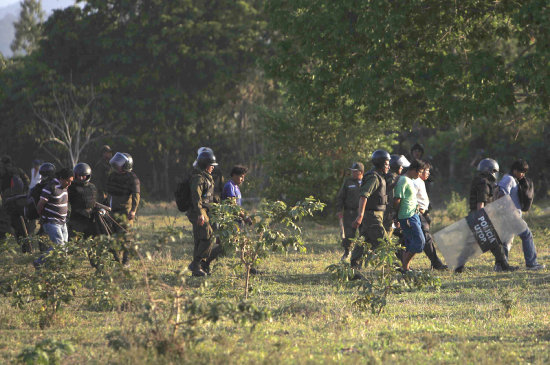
point(459, 244)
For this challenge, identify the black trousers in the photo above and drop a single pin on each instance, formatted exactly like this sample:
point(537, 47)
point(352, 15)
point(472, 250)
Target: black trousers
point(429, 247)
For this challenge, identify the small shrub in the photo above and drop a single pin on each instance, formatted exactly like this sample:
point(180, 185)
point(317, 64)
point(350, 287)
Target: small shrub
point(46, 352)
point(457, 207)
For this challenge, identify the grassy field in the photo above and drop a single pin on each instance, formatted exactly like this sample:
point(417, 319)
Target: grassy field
point(478, 317)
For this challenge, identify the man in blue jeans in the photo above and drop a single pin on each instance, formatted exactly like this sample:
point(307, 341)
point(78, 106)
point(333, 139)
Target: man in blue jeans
point(406, 205)
point(508, 185)
point(53, 206)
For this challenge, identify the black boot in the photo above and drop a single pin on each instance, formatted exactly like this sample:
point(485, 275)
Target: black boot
point(345, 255)
point(195, 268)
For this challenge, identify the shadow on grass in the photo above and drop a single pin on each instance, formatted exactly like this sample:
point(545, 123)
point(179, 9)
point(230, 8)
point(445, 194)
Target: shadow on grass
point(302, 279)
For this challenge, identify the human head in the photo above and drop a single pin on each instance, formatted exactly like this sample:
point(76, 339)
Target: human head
point(206, 160)
point(106, 152)
point(397, 163)
point(65, 177)
point(424, 175)
point(357, 170)
point(47, 169)
point(489, 168)
point(82, 172)
point(381, 160)
point(416, 168)
point(238, 174)
point(519, 168)
point(417, 151)
point(122, 162)
point(6, 160)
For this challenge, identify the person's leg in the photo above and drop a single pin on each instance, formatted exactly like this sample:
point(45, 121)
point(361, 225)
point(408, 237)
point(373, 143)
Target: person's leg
point(414, 239)
point(349, 232)
point(429, 247)
point(55, 233)
point(529, 250)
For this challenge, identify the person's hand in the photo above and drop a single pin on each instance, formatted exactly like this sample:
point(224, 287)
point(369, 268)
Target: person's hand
point(396, 224)
point(131, 215)
point(201, 220)
point(340, 215)
point(358, 221)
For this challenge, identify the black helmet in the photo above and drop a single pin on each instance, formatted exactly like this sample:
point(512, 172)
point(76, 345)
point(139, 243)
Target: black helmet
point(397, 161)
point(83, 169)
point(47, 169)
point(205, 159)
point(488, 166)
point(379, 157)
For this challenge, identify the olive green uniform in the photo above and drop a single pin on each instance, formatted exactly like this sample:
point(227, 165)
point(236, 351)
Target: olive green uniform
point(102, 169)
point(372, 227)
point(202, 195)
point(390, 213)
point(124, 195)
point(347, 202)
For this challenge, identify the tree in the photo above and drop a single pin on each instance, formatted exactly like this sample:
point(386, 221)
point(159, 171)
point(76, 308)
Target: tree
point(28, 29)
point(362, 66)
point(70, 121)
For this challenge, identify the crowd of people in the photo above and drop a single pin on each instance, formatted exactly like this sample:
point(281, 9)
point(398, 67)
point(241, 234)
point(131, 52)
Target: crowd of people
point(390, 199)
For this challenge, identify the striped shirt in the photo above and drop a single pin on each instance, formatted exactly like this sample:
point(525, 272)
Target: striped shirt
point(55, 210)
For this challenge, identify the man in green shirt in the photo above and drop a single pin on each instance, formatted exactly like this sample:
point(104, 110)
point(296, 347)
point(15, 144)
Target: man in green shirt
point(407, 213)
point(372, 204)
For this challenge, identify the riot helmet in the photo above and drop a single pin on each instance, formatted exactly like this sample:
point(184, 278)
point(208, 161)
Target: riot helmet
point(122, 161)
point(489, 167)
point(47, 169)
point(205, 159)
point(83, 169)
point(398, 161)
point(379, 157)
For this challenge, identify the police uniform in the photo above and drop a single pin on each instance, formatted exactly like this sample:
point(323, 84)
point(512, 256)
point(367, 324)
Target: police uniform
point(202, 196)
point(483, 190)
point(217, 178)
point(372, 227)
point(124, 195)
point(82, 198)
point(390, 213)
point(14, 200)
point(347, 201)
point(102, 170)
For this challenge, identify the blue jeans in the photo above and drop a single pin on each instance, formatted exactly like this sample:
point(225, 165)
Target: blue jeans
point(58, 233)
point(528, 245)
point(414, 237)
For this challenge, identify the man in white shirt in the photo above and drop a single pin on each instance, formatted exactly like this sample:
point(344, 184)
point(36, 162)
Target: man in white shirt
point(425, 220)
point(35, 174)
point(508, 185)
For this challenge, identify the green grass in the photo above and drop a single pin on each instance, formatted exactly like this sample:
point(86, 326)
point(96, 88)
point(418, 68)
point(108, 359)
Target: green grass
point(466, 321)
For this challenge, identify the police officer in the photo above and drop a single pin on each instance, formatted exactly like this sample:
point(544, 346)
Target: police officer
point(102, 169)
point(202, 195)
point(483, 192)
point(347, 202)
point(372, 204)
point(397, 164)
point(123, 189)
point(14, 187)
point(82, 198)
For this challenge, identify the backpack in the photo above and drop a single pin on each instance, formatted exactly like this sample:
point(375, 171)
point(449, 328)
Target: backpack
point(526, 193)
point(32, 200)
point(183, 195)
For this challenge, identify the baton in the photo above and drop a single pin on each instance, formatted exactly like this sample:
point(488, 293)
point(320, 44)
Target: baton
point(342, 231)
point(101, 206)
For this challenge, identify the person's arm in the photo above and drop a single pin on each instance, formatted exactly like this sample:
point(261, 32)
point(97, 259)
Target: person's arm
point(136, 195)
point(360, 212)
point(480, 205)
point(370, 185)
point(40, 206)
point(340, 198)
